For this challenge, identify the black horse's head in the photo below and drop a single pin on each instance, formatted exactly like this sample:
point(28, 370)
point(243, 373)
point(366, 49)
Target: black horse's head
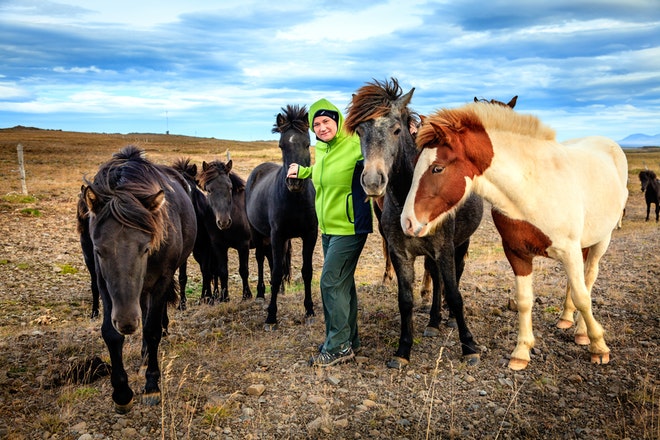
point(216, 181)
point(293, 125)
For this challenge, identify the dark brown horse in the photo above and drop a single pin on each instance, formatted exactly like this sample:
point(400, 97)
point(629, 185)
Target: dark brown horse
point(203, 250)
point(226, 221)
point(142, 226)
point(379, 114)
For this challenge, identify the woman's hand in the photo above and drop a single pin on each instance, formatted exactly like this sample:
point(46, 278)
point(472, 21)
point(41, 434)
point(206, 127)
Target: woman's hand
point(292, 173)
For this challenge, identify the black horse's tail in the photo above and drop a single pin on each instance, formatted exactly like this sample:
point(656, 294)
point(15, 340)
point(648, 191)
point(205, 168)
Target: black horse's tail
point(286, 267)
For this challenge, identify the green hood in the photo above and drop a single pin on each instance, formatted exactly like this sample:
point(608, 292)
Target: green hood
point(324, 104)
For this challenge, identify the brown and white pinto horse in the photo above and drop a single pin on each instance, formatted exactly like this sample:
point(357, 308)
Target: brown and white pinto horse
point(551, 199)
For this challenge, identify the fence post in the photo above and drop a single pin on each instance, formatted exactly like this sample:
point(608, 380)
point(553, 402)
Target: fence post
point(21, 167)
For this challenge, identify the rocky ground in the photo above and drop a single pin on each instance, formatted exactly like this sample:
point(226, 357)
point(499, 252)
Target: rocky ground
point(224, 377)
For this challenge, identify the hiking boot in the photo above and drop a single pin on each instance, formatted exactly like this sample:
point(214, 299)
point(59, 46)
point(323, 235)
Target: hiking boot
point(325, 359)
point(356, 350)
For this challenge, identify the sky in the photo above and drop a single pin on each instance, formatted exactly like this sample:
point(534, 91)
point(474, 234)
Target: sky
point(224, 69)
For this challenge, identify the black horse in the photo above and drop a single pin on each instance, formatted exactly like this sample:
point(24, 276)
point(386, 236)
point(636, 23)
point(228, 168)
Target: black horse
point(82, 217)
point(203, 250)
point(142, 226)
point(226, 221)
point(651, 190)
point(379, 114)
point(280, 209)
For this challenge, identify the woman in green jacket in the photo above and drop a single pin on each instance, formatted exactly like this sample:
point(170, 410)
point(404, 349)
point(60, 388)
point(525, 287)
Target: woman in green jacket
point(344, 215)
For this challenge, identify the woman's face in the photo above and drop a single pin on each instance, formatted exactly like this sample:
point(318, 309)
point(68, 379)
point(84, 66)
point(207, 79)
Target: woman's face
point(325, 128)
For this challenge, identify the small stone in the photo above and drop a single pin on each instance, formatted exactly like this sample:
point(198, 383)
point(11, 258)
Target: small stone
point(333, 380)
point(341, 423)
point(256, 389)
point(319, 400)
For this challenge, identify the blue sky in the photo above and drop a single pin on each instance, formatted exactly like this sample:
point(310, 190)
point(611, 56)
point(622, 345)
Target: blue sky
point(224, 69)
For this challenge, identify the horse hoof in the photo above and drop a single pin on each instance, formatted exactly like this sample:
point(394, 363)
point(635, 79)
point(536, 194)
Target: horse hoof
point(397, 363)
point(270, 327)
point(123, 409)
point(95, 314)
point(564, 324)
point(259, 299)
point(600, 358)
point(512, 305)
point(431, 332)
point(471, 359)
point(518, 364)
point(151, 399)
point(451, 323)
point(309, 320)
point(582, 340)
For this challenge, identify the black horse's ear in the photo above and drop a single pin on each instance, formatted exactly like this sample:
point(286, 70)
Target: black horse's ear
point(229, 165)
point(91, 199)
point(205, 166)
point(155, 201)
point(193, 169)
point(475, 99)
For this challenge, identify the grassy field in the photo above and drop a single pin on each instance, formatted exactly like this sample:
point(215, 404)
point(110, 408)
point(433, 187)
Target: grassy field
point(217, 356)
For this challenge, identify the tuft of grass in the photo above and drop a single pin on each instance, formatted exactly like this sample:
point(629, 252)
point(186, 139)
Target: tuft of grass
point(19, 198)
point(214, 415)
point(77, 395)
point(31, 212)
point(66, 269)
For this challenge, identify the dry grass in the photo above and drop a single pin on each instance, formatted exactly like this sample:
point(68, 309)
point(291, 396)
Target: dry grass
point(215, 353)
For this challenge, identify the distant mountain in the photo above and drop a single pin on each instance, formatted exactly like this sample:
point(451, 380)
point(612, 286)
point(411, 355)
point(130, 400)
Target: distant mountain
point(640, 140)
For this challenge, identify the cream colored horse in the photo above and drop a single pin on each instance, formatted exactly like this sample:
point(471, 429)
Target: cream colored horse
point(551, 199)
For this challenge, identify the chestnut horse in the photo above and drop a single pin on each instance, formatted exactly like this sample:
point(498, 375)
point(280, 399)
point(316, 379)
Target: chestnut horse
point(551, 199)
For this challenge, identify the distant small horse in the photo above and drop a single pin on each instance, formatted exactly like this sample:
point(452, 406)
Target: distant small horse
point(379, 114)
point(551, 199)
point(280, 208)
point(203, 249)
point(651, 190)
point(142, 225)
point(226, 221)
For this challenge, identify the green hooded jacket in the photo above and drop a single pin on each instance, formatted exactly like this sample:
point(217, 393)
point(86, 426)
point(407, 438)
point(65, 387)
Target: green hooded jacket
point(341, 204)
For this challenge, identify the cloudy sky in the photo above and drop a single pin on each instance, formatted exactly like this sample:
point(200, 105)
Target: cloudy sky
point(224, 69)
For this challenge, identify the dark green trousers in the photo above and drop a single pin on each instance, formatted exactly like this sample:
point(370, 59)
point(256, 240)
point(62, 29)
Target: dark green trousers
point(340, 303)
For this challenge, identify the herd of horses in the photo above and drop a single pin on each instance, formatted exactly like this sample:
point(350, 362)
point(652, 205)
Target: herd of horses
point(428, 176)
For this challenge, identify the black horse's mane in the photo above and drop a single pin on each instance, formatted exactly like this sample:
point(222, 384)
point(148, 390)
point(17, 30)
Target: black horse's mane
point(375, 100)
point(216, 168)
point(292, 117)
point(123, 187)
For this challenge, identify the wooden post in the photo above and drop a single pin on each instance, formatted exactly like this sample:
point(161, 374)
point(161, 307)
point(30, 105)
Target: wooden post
point(21, 167)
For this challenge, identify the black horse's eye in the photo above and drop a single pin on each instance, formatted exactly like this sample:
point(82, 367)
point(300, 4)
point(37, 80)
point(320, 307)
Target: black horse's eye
point(397, 131)
point(437, 169)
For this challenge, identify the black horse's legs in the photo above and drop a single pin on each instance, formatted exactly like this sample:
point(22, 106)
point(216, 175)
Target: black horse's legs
point(223, 273)
point(122, 395)
point(278, 252)
point(308, 250)
point(455, 303)
point(244, 270)
point(261, 285)
point(151, 336)
point(183, 281)
point(405, 273)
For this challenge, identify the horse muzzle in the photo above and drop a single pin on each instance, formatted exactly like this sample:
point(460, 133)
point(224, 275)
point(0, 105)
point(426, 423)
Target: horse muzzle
point(295, 185)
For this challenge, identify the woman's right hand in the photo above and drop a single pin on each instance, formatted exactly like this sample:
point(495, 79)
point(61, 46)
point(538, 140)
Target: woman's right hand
point(292, 173)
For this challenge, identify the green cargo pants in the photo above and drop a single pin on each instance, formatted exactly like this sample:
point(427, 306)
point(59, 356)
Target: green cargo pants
point(340, 303)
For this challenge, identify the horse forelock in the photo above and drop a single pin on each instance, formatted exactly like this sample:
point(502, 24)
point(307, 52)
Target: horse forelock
point(371, 101)
point(215, 169)
point(292, 117)
point(122, 187)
